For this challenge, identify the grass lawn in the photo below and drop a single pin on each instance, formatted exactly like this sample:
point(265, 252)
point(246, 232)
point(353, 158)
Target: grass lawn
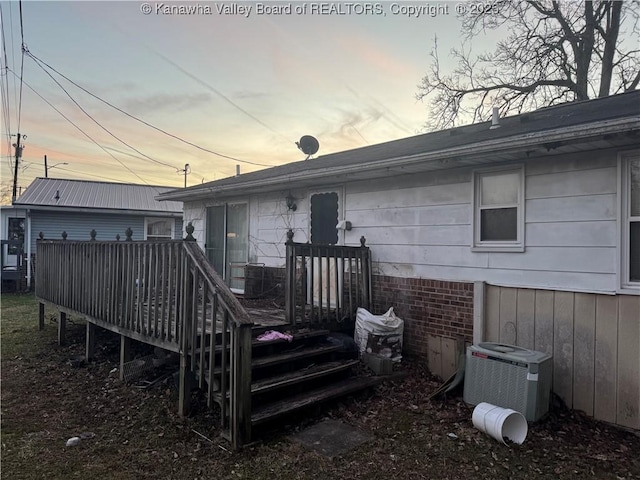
point(134, 433)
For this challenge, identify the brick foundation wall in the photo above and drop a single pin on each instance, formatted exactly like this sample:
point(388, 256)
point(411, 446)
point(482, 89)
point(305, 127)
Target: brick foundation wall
point(263, 281)
point(428, 307)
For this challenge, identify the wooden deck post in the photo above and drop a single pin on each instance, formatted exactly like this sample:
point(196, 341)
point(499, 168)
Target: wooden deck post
point(188, 342)
point(366, 274)
point(90, 341)
point(184, 390)
point(241, 387)
point(290, 282)
point(62, 326)
point(41, 316)
point(125, 353)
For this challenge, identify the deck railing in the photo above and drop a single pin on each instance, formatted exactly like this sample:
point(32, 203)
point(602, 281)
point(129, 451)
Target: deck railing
point(164, 293)
point(326, 282)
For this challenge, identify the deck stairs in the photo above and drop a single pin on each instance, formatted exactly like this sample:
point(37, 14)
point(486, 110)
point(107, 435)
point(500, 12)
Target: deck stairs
point(167, 294)
point(287, 377)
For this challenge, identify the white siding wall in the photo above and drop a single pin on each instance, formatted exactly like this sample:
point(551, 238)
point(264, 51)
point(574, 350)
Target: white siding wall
point(196, 213)
point(269, 221)
point(423, 228)
point(420, 225)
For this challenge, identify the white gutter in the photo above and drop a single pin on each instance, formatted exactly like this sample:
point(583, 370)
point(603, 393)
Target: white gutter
point(477, 149)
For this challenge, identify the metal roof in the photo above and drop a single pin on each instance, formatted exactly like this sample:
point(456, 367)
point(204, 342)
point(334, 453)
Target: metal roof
point(594, 123)
point(83, 194)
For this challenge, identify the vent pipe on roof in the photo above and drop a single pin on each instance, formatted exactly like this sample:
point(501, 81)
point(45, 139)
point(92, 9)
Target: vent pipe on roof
point(238, 170)
point(495, 119)
point(57, 197)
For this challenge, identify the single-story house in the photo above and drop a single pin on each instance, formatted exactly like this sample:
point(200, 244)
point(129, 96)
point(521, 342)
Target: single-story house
point(52, 206)
point(524, 230)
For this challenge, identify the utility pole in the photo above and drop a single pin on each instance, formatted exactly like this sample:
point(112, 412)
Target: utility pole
point(15, 172)
point(186, 171)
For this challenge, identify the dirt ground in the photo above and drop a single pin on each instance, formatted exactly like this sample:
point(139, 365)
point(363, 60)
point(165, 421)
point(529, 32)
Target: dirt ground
point(134, 433)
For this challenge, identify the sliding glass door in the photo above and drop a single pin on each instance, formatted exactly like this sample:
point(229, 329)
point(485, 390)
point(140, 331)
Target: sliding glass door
point(228, 242)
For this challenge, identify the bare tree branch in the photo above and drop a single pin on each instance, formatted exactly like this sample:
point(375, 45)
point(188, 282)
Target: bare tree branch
point(555, 51)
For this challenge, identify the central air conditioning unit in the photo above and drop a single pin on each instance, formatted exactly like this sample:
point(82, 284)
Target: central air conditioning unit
point(510, 377)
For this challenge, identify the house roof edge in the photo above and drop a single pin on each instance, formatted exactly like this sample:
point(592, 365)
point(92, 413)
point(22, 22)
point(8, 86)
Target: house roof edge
point(576, 132)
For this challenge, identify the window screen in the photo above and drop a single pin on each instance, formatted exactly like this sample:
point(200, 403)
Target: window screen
point(634, 221)
point(159, 228)
point(634, 252)
point(499, 224)
point(498, 195)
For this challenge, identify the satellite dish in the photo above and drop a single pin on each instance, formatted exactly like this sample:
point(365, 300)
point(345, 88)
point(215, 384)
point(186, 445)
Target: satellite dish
point(308, 144)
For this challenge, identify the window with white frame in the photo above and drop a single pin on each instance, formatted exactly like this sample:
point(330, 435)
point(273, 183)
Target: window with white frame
point(498, 210)
point(630, 216)
point(158, 228)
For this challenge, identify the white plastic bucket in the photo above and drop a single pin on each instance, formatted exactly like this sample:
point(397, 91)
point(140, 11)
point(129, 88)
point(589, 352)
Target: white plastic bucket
point(500, 423)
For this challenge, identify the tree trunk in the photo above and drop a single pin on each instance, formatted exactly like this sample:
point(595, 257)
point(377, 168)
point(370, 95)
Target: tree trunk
point(611, 39)
point(583, 59)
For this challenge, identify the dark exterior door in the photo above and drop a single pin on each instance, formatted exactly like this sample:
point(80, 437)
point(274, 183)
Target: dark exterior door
point(325, 211)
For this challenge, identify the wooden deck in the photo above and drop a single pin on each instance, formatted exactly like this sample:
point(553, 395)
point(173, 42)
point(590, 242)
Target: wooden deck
point(267, 317)
point(166, 293)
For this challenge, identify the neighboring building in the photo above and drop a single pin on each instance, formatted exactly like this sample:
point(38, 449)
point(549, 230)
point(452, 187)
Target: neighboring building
point(52, 205)
point(13, 261)
point(526, 232)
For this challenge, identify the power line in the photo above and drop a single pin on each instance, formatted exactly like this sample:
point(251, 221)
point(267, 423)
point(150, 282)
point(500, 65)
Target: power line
point(6, 114)
point(29, 163)
point(82, 131)
point(13, 53)
point(95, 121)
point(143, 121)
point(4, 85)
point(88, 174)
point(220, 94)
point(21, 68)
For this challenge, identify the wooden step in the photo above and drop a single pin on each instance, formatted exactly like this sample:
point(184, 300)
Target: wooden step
point(257, 343)
point(306, 374)
point(345, 387)
point(303, 375)
point(296, 337)
point(289, 356)
point(293, 355)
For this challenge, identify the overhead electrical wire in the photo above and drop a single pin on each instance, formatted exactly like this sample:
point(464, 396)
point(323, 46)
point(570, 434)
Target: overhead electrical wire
point(158, 129)
point(6, 114)
point(89, 174)
point(40, 164)
point(13, 54)
point(4, 87)
point(23, 46)
point(147, 157)
point(82, 131)
point(220, 94)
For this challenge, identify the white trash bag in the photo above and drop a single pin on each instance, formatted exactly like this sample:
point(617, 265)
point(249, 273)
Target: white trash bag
point(379, 334)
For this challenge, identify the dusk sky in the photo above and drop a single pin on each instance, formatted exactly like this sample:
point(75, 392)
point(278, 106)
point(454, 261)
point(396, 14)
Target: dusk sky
point(243, 86)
